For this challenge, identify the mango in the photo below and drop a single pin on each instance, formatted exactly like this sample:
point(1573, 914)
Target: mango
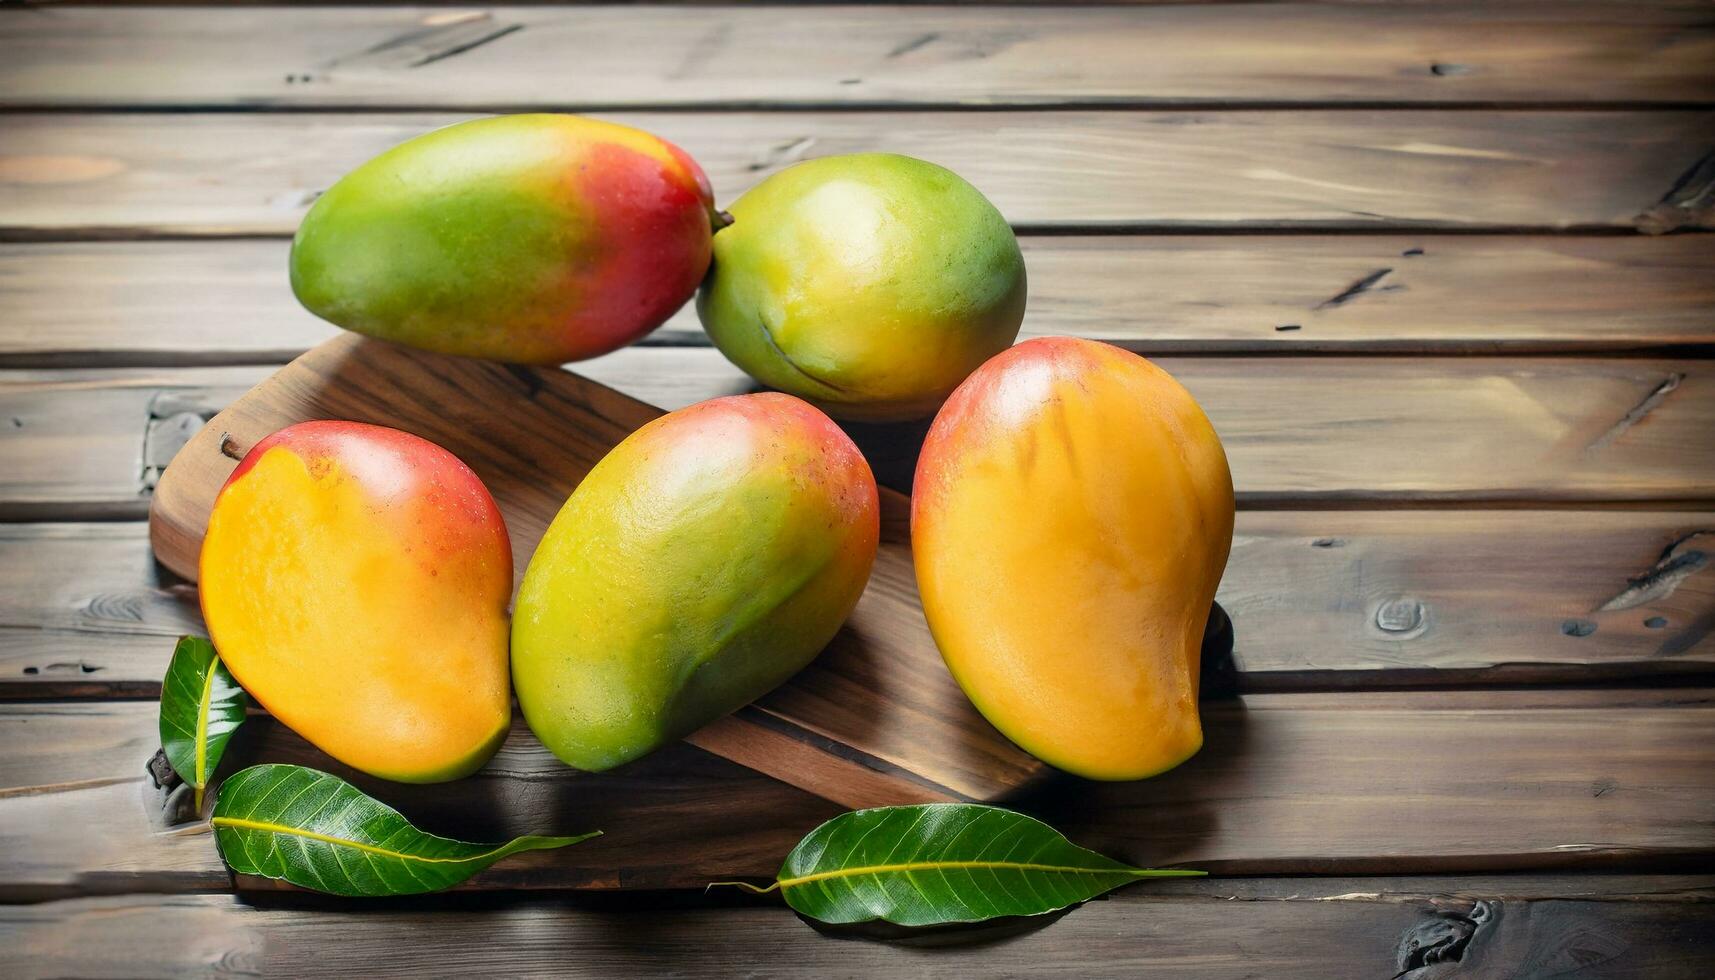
point(354, 579)
point(531, 238)
point(1070, 520)
point(870, 284)
point(707, 558)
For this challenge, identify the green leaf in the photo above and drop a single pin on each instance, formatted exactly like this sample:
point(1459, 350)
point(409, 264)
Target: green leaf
point(941, 863)
point(201, 706)
point(318, 831)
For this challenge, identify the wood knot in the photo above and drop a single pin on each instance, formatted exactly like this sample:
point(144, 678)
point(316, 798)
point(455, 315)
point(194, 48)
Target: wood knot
point(1444, 938)
point(1400, 616)
point(115, 607)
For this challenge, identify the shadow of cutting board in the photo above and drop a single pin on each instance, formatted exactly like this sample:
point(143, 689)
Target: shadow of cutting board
point(875, 720)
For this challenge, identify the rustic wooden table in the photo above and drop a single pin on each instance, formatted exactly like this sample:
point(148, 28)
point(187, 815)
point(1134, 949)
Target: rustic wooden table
point(1413, 260)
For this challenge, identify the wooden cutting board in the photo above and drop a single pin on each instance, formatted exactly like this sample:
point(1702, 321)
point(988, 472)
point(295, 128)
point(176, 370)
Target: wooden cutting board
point(875, 720)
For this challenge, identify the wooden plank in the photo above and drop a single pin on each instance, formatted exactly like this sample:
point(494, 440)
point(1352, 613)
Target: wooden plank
point(96, 443)
point(1297, 430)
point(1317, 599)
point(213, 302)
point(1333, 598)
point(742, 56)
point(84, 304)
point(1318, 929)
point(131, 175)
point(679, 819)
point(86, 611)
point(1286, 783)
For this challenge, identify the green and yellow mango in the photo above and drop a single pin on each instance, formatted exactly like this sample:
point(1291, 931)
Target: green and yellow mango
point(706, 559)
point(870, 284)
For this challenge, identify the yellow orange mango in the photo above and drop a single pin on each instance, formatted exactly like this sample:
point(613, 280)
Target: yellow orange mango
point(355, 579)
point(1071, 518)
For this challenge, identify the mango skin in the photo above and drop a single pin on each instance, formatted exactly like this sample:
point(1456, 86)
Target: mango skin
point(354, 579)
point(870, 284)
point(706, 559)
point(532, 238)
point(1070, 520)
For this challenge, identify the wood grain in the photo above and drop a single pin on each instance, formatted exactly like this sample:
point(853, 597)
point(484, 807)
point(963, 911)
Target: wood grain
point(875, 720)
point(93, 443)
point(1286, 783)
point(164, 303)
point(146, 175)
point(738, 56)
point(1318, 599)
point(1316, 928)
point(1348, 431)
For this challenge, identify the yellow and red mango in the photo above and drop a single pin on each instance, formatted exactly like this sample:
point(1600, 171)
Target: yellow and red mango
point(354, 579)
point(706, 559)
point(534, 238)
point(1070, 520)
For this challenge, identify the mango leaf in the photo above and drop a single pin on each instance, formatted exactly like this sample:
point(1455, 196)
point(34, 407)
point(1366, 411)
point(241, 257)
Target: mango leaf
point(320, 832)
point(201, 706)
point(940, 863)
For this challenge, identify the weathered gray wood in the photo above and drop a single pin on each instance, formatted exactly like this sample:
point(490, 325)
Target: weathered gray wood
point(403, 56)
point(143, 175)
point(211, 302)
point(1286, 783)
point(1317, 599)
point(95, 443)
point(1347, 430)
point(1411, 929)
point(86, 611)
point(1390, 597)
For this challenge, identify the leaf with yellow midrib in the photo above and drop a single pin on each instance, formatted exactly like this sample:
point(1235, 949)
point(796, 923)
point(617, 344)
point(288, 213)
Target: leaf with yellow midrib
point(940, 863)
point(201, 706)
point(320, 832)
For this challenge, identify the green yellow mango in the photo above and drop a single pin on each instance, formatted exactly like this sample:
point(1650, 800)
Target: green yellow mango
point(707, 558)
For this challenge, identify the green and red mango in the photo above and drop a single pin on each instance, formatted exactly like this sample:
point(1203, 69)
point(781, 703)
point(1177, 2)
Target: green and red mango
point(533, 238)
